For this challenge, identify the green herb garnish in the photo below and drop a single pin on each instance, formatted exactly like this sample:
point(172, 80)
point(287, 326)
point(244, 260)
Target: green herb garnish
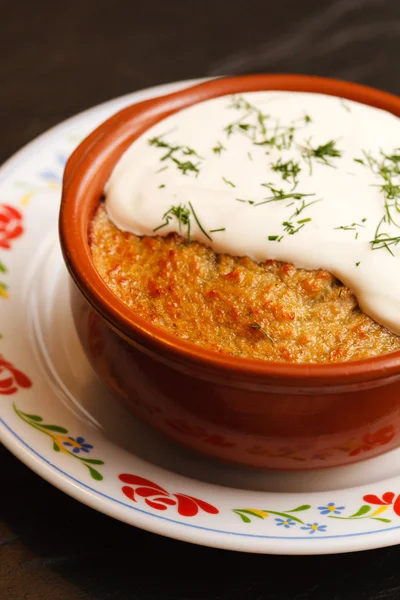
point(250, 111)
point(186, 166)
point(322, 154)
point(278, 195)
point(387, 168)
point(291, 228)
point(259, 328)
point(281, 139)
point(218, 148)
point(352, 227)
point(198, 222)
point(182, 213)
point(228, 182)
point(302, 207)
point(288, 170)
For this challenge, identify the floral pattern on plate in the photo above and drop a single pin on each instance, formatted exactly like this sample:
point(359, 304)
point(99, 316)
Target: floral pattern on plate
point(131, 486)
point(158, 498)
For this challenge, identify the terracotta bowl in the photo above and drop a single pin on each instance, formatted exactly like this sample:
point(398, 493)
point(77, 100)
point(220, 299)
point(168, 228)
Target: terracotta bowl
point(251, 412)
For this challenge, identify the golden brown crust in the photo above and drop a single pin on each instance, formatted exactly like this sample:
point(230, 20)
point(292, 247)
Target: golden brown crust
point(213, 299)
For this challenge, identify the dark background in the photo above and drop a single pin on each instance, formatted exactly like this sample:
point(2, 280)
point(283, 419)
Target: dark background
point(62, 57)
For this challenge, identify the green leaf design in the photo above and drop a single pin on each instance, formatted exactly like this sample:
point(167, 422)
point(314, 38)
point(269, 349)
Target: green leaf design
point(95, 474)
point(381, 519)
point(250, 512)
point(299, 508)
point(2, 268)
point(54, 428)
point(285, 515)
point(36, 422)
point(361, 511)
point(32, 417)
point(243, 517)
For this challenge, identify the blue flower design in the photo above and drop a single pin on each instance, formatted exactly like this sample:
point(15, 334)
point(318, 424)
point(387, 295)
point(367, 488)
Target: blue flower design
point(331, 509)
point(313, 527)
point(55, 176)
point(286, 523)
point(83, 446)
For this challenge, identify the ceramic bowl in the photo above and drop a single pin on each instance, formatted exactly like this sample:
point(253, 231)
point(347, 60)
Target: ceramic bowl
point(251, 412)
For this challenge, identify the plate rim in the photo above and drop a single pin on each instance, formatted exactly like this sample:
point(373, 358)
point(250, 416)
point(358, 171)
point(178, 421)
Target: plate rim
point(188, 532)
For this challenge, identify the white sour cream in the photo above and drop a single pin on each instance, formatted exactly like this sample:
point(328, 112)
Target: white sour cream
point(243, 158)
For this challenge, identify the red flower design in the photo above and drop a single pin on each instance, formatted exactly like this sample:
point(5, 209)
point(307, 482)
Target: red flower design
point(10, 225)
point(372, 440)
point(388, 499)
point(11, 379)
point(214, 439)
point(158, 498)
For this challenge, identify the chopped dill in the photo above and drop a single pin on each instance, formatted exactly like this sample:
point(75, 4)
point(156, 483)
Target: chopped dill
point(259, 328)
point(291, 228)
point(278, 195)
point(182, 213)
point(198, 222)
point(185, 166)
point(303, 206)
point(387, 168)
point(281, 139)
point(228, 182)
point(246, 201)
point(351, 227)
point(217, 149)
point(322, 154)
point(288, 170)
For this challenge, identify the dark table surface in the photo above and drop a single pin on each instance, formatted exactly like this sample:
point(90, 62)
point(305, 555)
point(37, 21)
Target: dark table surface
point(62, 57)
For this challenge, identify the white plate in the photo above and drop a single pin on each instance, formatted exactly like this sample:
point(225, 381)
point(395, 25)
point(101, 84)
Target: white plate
point(49, 394)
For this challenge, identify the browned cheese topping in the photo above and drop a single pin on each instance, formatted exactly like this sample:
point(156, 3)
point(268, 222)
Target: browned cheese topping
point(233, 305)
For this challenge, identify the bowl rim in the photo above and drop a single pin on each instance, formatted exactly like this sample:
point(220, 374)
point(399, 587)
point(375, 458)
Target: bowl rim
point(83, 172)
